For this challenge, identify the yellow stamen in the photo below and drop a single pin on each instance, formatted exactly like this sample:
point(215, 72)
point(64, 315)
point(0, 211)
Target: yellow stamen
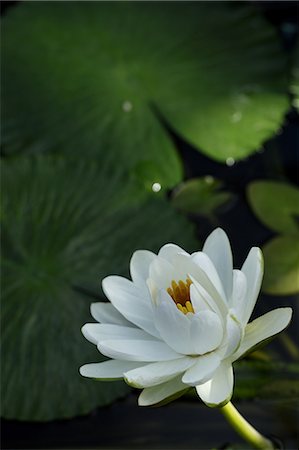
point(189, 306)
point(169, 290)
point(184, 290)
point(180, 307)
point(177, 292)
point(180, 293)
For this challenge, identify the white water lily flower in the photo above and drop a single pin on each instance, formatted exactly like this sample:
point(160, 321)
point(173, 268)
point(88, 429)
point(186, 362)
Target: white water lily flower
point(182, 321)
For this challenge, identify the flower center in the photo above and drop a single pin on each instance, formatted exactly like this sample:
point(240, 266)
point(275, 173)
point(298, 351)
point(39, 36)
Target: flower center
point(180, 294)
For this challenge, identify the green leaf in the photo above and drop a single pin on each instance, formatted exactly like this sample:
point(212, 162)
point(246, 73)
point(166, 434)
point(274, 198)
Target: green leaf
point(89, 78)
point(65, 227)
point(148, 175)
point(276, 204)
point(282, 265)
point(200, 196)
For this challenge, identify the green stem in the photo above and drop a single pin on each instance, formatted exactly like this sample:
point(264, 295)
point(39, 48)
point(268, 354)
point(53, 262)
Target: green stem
point(244, 429)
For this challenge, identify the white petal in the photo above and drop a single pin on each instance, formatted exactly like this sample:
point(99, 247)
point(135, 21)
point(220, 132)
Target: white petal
point(196, 265)
point(89, 333)
point(137, 350)
point(162, 272)
point(202, 370)
point(108, 370)
point(153, 289)
point(233, 336)
point(172, 324)
point(127, 299)
point(209, 294)
point(139, 266)
point(263, 328)
point(217, 247)
point(198, 301)
point(157, 373)
point(218, 390)
point(253, 269)
point(238, 299)
point(156, 394)
point(206, 332)
point(96, 332)
point(168, 251)
point(106, 313)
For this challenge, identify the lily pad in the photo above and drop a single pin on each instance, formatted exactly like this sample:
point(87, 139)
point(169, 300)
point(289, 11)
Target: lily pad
point(88, 78)
point(282, 265)
point(200, 196)
point(65, 227)
point(276, 204)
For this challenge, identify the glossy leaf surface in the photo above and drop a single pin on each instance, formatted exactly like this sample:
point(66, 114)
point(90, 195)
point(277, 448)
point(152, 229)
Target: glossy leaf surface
point(89, 77)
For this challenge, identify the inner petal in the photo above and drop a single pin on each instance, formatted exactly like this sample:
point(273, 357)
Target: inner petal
point(179, 291)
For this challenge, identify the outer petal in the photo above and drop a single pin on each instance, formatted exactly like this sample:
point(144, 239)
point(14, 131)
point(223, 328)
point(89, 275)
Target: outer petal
point(206, 332)
point(156, 394)
point(157, 373)
point(217, 247)
point(139, 266)
point(168, 251)
point(137, 350)
point(108, 370)
point(95, 332)
point(238, 298)
point(218, 390)
point(106, 313)
point(202, 370)
point(263, 328)
point(128, 300)
point(172, 324)
point(253, 269)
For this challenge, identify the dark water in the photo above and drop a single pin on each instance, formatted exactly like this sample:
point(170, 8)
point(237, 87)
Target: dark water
point(180, 425)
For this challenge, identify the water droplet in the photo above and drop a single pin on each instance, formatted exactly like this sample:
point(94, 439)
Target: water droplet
point(127, 106)
point(209, 179)
point(230, 161)
point(156, 187)
point(236, 117)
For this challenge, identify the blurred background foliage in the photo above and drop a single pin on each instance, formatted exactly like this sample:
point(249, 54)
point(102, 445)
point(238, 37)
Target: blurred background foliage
point(103, 103)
